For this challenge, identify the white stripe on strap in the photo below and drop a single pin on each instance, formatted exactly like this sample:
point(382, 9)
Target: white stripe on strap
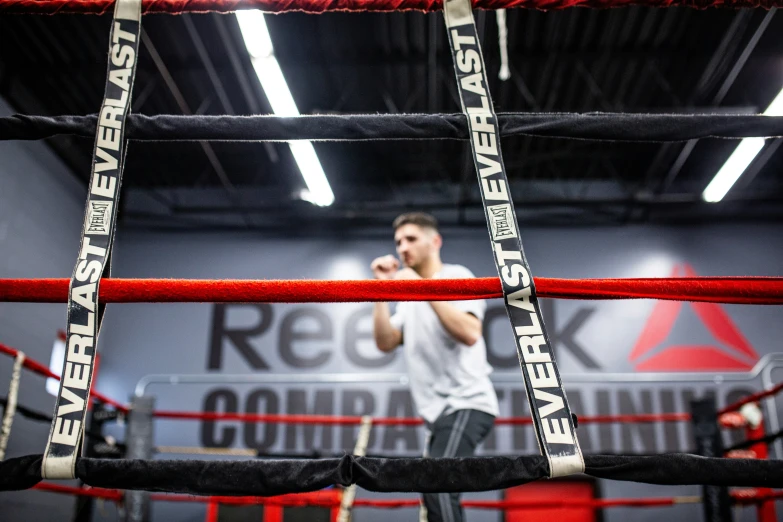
point(10, 405)
point(552, 417)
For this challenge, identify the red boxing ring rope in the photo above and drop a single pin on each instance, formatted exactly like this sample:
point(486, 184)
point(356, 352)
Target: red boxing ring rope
point(108, 494)
point(598, 503)
point(763, 394)
point(329, 499)
point(321, 6)
point(332, 420)
point(729, 290)
point(40, 369)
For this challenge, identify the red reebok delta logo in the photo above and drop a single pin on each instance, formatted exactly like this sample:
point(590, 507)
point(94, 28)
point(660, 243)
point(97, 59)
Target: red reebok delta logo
point(732, 351)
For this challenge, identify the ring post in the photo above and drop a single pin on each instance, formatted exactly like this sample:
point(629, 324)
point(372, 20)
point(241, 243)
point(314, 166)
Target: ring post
point(139, 441)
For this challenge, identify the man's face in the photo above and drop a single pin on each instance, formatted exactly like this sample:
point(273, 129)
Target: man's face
point(415, 244)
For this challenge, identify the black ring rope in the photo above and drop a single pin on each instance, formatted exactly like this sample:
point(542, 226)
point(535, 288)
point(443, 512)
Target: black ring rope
point(767, 439)
point(423, 475)
point(324, 454)
point(316, 453)
point(627, 127)
point(27, 412)
point(34, 415)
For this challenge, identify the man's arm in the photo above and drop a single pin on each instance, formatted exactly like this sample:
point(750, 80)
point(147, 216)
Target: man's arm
point(462, 326)
point(387, 337)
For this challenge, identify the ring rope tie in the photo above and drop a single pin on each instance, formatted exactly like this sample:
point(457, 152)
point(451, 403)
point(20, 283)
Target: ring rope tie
point(360, 450)
point(10, 404)
point(554, 423)
point(500, 16)
point(85, 312)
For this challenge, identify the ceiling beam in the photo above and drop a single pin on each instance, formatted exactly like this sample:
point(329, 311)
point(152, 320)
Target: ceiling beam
point(728, 82)
point(209, 152)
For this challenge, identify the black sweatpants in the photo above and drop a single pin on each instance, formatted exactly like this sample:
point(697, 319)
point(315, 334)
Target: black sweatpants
point(454, 435)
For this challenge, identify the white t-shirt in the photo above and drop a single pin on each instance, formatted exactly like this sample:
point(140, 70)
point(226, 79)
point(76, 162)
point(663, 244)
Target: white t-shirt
point(445, 375)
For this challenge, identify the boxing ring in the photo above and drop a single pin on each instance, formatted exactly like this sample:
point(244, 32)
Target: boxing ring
point(127, 473)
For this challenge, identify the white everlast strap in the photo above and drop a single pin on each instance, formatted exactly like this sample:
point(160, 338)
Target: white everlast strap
point(10, 404)
point(84, 311)
point(359, 450)
point(552, 417)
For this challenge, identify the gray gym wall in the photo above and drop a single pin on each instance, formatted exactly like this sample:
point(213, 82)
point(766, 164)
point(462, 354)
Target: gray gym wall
point(40, 215)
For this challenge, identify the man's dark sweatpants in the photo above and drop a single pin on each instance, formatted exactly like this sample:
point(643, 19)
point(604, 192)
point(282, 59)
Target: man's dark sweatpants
point(454, 435)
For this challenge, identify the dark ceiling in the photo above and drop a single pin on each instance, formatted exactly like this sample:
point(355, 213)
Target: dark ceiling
point(580, 60)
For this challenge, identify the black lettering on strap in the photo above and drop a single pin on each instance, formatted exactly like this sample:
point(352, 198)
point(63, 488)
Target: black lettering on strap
point(553, 421)
point(94, 262)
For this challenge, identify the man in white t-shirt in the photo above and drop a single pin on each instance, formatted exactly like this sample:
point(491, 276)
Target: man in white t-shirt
point(444, 350)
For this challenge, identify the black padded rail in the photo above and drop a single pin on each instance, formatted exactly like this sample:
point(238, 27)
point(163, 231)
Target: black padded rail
point(276, 477)
point(365, 127)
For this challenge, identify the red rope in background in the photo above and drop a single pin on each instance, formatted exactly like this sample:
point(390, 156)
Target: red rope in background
point(330, 498)
point(730, 290)
point(40, 369)
point(337, 420)
point(321, 6)
point(341, 420)
point(763, 394)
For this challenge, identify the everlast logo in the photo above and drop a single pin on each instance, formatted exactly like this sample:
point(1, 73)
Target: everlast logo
point(99, 217)
point(502, 222)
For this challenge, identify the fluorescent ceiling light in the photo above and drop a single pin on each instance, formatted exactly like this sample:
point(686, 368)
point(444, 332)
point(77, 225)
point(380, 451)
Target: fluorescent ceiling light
point(262, 55)
point(776, 107)
point(730, 172)
point(740, 159)
point(319, 191)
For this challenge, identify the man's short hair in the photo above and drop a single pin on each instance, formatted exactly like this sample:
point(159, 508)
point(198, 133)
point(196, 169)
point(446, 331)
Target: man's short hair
point(421, 219)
